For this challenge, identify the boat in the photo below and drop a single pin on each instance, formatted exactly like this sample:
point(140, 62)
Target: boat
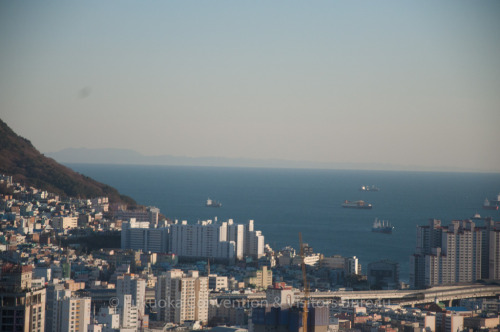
point(369, 188)
point(356, 205)
point(477, 216)
point(491, 205)
point(382, 226)
point(213, 203)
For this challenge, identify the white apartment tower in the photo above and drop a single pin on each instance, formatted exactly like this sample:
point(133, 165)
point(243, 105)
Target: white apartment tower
point(202, 240)
point(138, 235)
point(224, 241)
point(65, 312)
point(131, 284)
point(75, 314)
point(254, 242)
point(236, 233)
point(129, 312)
point(195, 240)
point(352, 265)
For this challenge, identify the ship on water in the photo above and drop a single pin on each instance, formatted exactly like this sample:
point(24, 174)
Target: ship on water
point(493, 204)
point(356, 205)
point(213, 203)
point(369, 188)
point(382, 226)
point(477, 216)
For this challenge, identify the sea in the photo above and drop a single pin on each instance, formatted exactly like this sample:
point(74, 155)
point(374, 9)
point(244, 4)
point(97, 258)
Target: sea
point(286, 202)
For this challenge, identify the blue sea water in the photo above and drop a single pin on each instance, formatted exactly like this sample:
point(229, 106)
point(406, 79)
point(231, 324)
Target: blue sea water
point(284, 202)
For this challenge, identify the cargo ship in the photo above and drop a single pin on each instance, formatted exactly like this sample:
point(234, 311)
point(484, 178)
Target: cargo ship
point(213, 203)
point(492, 204)
point(369, 188)
point(356, 205)
point(382, 226)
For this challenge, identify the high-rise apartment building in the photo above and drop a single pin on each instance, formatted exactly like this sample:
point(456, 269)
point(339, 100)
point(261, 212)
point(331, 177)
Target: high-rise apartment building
point(131, 295)
point(199, 240)
point(494, 251)
point(65, 312)
point(182, 297)
point(455, 253)
point(233, 241)
point(226, 241)
point(54, 295)
point(22, 307)
point(236, 233)
point(254, 241)
point(138, 235)
point(131, 284)
point(130, 314)
point(75, 314)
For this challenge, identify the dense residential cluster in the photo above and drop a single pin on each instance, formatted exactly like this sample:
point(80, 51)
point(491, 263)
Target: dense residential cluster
point(459, 252)
point(223, 242)
point(89, 265)
point(371, 316)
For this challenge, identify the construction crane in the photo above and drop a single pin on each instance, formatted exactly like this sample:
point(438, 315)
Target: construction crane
point(305, 311)
point(141, 320)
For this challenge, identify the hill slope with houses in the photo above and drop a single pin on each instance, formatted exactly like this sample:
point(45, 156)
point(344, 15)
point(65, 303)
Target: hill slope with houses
point(20, 159)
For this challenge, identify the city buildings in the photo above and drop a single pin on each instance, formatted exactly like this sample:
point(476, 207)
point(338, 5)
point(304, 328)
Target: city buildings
point(350, 265)
point(281, 313)
point(22, 307)
point(459, 252)
point(182, 297)
point(225, 241)
point(131, 294)
point(138, 235)
point(493, 244)
point(202, 240)
point(260, 279)
point(58, 287)
point(75, 314)
point(217, 283)
point(66, 312)
point(64, 222)
point(150, 215)
point(384, 274)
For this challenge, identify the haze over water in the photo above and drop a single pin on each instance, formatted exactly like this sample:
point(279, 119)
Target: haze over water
point(394, 83)
point(284, 202)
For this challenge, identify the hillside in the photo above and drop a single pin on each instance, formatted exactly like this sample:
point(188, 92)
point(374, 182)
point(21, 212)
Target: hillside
point(19, 158)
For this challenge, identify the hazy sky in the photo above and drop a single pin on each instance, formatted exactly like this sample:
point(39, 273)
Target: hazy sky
point(399, 82)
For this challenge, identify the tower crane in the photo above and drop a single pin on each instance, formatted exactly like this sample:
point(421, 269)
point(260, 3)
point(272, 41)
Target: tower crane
point(305, 311)
point(141, 321)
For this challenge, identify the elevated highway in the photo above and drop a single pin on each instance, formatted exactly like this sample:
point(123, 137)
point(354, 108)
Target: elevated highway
point(402, 297)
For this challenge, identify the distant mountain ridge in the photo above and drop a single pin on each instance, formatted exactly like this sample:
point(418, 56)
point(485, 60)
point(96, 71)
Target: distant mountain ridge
point(127, 156)
point(131, 157)
point(19, 158)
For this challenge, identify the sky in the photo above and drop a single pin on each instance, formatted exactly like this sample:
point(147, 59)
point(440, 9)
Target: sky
point(371, 82)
